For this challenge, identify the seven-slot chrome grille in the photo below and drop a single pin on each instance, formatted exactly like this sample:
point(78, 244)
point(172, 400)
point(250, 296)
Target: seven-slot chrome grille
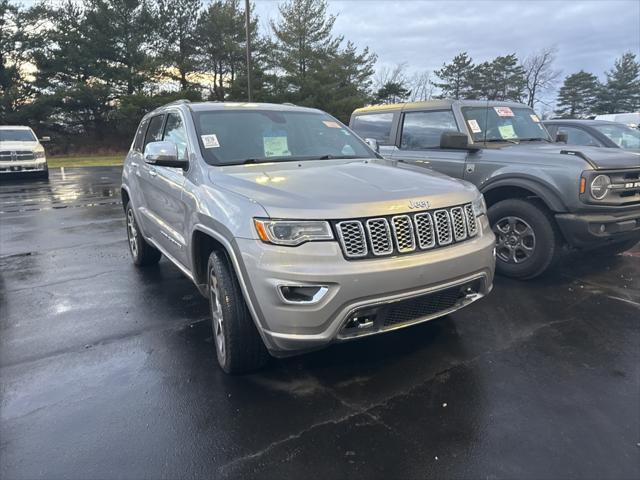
point(408, 233)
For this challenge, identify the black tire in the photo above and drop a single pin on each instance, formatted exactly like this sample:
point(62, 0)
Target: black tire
point(239, 347)
point(614, 248)
point(142, 253)
point(518, 253)
point(45, 174)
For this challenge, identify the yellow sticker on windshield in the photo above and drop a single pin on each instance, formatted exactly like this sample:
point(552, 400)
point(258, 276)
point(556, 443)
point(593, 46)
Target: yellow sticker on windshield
point(276, 147)
point(535, 118)
point(507, 131)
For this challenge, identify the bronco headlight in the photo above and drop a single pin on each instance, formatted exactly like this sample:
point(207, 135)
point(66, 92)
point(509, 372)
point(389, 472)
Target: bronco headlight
point(479, 206)
point(292, 232)
point(600, 187)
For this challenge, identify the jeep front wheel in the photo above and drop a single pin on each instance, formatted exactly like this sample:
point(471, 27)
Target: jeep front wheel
point(239, 347)
point(527, 239)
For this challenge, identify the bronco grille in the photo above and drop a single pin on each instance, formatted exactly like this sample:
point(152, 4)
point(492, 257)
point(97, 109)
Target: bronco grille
point(364, 238)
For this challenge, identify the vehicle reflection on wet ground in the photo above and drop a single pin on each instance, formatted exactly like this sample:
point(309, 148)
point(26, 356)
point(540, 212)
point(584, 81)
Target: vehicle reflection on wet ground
point(108, 371)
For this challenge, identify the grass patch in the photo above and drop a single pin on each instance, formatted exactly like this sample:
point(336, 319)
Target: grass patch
point(87, 161)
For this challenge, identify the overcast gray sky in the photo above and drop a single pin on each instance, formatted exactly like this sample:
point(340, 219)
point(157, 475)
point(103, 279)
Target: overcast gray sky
point(589, 34)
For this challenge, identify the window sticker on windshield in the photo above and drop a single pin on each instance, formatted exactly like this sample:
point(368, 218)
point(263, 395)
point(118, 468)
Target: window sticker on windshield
point(210, 141)
point(276, 147)
point(507, 131)
point(503, 111)
point(535, 118)
point(473, 125)
point(332, 124)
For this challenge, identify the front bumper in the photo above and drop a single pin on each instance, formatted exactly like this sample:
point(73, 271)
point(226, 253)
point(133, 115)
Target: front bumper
point(39, 165)
point(593, 230)
point(354, 286)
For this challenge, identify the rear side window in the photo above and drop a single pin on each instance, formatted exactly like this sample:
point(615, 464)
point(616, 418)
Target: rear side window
point(138, 142)
point(375, 125)
point(154, 132)
point(422, 130)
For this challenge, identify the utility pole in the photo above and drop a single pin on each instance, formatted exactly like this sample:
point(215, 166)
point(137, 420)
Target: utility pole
point(247, 25)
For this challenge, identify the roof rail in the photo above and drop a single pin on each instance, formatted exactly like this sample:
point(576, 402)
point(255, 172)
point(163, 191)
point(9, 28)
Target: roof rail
point(177, 102)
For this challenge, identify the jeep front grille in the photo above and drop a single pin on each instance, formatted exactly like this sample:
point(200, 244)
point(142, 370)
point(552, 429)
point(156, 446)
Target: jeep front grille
point(379, 236)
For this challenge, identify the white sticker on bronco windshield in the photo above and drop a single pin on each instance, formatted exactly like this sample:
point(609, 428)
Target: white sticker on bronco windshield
point(503, 111)
point(535, 118)
point(210, 141)
point(473, 125)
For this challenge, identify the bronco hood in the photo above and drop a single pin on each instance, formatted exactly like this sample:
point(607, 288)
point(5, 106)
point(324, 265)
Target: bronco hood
point(599, 158)
point(336, 189)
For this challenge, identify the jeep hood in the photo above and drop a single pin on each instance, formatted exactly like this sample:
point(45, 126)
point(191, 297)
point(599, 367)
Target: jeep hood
point(598, 157)
point(335, 189)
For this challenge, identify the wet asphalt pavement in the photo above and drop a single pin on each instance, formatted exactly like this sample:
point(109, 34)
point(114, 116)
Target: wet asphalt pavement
point(107, 371)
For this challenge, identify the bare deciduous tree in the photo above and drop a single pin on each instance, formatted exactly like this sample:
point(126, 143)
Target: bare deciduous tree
point(539, 74)
point(422, 87)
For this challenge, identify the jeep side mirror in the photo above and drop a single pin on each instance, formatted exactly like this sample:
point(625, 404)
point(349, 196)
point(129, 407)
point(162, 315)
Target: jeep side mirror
point(454, 140)
point(562, 137)
point(45, 139)
point(164, 154)
point(373, 143)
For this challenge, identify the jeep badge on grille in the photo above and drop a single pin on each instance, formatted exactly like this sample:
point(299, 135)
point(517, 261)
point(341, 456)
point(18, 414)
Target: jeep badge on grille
point(418, 204)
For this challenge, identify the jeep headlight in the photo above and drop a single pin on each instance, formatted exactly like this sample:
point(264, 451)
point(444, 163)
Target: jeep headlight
point(600, 186)
point(292, 232)
point(479, 206)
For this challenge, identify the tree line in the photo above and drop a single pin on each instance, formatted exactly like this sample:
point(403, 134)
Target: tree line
point(86, 71)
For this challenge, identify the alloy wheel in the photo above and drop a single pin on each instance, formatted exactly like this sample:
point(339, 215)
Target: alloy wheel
point(132, 233)
point(515, 240)
point(217, 318)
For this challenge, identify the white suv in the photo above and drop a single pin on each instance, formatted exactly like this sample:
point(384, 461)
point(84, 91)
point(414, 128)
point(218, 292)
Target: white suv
point(21, 151)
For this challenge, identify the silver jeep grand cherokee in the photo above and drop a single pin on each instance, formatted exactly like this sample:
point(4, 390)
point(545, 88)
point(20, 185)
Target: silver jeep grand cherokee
point(298, 233)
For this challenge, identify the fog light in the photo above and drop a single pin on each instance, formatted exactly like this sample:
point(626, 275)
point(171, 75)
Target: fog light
point(302, 294)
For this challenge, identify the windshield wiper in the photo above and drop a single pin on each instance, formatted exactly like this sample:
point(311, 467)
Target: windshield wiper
point(535, 139)
point(490, 140)
point(337, 157)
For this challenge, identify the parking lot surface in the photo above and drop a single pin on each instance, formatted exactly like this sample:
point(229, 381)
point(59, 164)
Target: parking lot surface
point(107, 371)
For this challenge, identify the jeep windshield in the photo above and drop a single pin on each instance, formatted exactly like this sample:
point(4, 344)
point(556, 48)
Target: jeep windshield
point(235, 137)
point(17, 135)
point(504, 124)
point(623, 136)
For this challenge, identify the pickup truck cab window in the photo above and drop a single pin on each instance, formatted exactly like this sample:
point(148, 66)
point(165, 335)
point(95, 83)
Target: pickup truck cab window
point(374, 125)
point(503, 124)
point(422, 130)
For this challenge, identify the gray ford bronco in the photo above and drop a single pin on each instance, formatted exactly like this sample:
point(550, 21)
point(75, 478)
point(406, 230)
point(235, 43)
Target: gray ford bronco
point(541, 195)
point(297, 232)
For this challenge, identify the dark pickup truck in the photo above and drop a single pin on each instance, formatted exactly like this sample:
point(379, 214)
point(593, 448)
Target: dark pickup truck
point(542, 195)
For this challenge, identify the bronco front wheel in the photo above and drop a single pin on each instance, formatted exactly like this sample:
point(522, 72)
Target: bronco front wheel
point(527, 239)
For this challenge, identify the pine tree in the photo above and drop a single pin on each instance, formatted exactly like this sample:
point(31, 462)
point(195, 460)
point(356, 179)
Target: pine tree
point(178, 41)
point(502, 79)
point(456, 77)
point(621, 92)
point(577, 95)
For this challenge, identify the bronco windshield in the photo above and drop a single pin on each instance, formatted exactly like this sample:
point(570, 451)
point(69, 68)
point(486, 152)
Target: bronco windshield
point(17, 135)
point(234, 137)
point(621, 135)
point(504, 124)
